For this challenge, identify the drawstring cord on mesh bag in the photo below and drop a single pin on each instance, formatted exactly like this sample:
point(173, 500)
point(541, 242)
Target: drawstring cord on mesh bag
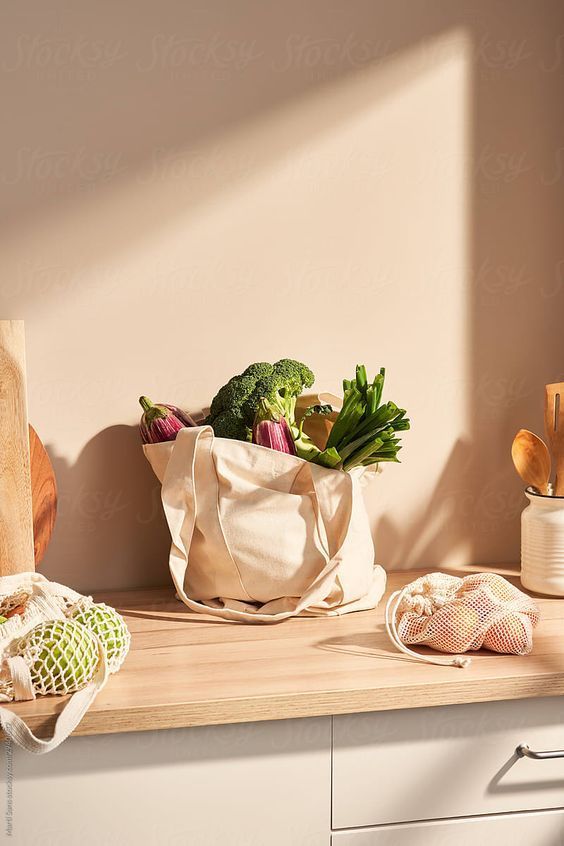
point(391, 628)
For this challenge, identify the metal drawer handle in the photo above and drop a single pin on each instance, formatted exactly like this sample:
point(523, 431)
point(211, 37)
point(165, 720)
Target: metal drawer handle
point(523, 751)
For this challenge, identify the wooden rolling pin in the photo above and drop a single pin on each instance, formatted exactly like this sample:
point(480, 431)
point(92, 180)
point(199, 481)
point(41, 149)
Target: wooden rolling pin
point(16, 517)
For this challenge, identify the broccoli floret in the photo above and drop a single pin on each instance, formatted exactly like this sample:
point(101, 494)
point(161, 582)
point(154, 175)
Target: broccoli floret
point(235, 405)
point(260, 370)
point(218, 402)
point(229, 424)
point(271, 388)
point(237, 391)
point(294, 374)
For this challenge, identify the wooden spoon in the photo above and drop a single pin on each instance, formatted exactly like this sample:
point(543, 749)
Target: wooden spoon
point(554, 425)
point(531, 459)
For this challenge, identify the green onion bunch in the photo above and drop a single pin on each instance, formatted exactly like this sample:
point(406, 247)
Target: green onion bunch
point(365, 431)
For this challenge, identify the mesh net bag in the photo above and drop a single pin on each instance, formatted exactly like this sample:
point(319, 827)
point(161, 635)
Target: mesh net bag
point(61, 656)
point(458, 615)
point(54, 641)
point(108, 626)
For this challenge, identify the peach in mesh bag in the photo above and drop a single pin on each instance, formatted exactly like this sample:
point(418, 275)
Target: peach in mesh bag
point(458, 615)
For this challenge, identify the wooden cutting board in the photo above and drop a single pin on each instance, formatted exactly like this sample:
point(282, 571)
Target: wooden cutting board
point(16, 521)
point(43, 495)
point(28, 492)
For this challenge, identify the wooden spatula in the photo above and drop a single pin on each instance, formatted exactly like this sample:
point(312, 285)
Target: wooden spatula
point(554, 425)
point(16, 521)
point(43, 495)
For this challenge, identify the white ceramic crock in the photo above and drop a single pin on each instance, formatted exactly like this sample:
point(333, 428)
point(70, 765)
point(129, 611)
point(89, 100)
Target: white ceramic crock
point(542, 544)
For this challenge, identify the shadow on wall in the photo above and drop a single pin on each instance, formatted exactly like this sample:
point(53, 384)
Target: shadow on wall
point(441, 524)
point(110, 518)
point(516, 296)
point(440, 529)
point(176, 156)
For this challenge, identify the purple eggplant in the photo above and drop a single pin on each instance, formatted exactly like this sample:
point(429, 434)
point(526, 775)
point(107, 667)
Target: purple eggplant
point(271, 430)
point(161, 422)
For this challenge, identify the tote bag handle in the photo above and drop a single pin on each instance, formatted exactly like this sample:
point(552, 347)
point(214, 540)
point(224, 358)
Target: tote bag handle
point(181, 503)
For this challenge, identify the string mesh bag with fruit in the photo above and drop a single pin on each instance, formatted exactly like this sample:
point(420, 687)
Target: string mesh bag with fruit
point(54, 641)
point(459, 615)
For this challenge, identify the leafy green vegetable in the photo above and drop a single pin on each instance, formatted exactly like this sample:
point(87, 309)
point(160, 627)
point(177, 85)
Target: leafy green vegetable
point(364, 431)
point(328, 458)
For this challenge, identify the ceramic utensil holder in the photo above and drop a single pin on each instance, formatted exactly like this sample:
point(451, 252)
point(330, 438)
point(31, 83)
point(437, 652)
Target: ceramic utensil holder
point(542, 544)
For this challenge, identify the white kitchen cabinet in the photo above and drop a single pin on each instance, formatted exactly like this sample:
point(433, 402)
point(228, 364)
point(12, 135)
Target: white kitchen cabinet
point(427, 763)
point(251, 784)
point(270, 783)
point(539, 828)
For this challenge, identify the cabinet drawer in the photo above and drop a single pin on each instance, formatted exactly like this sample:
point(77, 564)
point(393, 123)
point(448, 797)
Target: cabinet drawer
point(540, 827)
point(246, 784)
point(453, 761)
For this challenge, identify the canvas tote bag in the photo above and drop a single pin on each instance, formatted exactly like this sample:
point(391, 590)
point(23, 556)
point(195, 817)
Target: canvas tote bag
point(260, 535)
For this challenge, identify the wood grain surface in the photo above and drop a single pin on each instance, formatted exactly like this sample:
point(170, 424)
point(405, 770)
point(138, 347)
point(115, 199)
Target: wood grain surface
point(16, 522)
point(43, 495)
point(186, 669)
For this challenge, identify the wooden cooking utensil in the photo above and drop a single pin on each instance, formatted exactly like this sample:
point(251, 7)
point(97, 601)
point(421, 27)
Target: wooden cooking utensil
point(554, 425)
point(16, 520)
point(43, 495)
point(531, 459)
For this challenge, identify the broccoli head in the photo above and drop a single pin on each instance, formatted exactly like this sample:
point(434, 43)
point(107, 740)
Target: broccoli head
point(235, 405)
point(295, 375)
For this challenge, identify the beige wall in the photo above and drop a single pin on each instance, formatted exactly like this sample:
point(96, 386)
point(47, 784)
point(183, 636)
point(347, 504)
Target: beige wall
point(190, 187)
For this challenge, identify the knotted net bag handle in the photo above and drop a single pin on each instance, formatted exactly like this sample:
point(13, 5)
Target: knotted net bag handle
point(181, 503)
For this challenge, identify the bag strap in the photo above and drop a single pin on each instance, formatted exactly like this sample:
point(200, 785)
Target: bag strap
point(20, 733)
point(181, 503)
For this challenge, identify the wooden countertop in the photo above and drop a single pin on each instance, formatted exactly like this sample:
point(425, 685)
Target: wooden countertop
point(187, 669)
